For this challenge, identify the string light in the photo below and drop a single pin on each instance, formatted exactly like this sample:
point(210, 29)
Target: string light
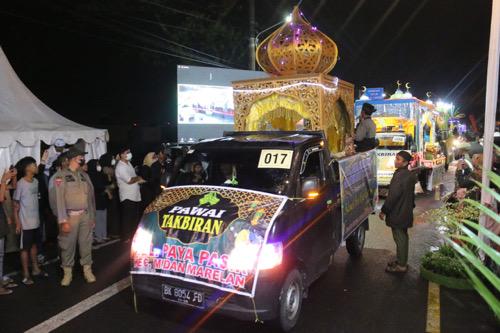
point(320, 85)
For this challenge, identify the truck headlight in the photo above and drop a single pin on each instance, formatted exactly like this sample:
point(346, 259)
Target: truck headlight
point(271, 255)
point(141, 244)
point(246, 257)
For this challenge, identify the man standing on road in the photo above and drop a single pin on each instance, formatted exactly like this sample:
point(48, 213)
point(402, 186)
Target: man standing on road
point(130, 193)
point(75, 205)
point(398, 210)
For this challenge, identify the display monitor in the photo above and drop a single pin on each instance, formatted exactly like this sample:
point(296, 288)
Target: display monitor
point(205, 107)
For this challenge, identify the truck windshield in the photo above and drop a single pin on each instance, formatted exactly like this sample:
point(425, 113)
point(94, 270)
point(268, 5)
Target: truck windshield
point(238, 168)
point(393, 141)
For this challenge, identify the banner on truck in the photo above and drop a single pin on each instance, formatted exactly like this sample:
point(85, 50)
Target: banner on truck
point(358, 177)
point(385, 165)
point(206, 235)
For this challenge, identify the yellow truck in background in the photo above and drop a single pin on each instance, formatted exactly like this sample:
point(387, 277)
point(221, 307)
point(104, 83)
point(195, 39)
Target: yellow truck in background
point(415, 126)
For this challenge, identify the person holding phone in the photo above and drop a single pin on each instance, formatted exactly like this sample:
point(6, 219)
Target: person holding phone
point(5, 284)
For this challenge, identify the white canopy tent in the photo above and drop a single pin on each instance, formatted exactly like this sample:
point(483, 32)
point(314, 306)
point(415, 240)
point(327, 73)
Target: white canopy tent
point(25, 122)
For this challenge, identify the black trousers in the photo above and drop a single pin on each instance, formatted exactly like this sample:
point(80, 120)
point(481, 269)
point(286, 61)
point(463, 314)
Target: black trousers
point(130, 217)
point(365, 144)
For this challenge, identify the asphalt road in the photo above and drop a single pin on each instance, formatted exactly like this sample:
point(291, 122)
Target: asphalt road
point(353, 296)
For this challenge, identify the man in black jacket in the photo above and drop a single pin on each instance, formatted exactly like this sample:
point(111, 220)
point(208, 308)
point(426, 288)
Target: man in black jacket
point(397, 210)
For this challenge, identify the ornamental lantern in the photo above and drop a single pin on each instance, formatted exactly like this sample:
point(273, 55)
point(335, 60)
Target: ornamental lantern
point(297, 47)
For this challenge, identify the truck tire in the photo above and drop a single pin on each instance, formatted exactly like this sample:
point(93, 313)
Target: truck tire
point(290, 301)
point(356, 242)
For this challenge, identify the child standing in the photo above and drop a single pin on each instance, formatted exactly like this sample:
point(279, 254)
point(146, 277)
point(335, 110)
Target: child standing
point(27, 217)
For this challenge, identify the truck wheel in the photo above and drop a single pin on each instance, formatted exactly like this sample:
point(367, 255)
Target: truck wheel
point(356, 242)
point(290, 302)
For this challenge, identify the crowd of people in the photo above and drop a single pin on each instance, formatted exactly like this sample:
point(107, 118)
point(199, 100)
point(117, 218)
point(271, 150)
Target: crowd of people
point(69, 200)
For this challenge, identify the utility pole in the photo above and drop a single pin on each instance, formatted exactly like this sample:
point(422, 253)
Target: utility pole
point(251, 44)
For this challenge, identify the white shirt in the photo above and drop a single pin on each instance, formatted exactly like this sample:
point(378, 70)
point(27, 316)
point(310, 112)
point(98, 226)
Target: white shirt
point(124, 172)
point(27, 195)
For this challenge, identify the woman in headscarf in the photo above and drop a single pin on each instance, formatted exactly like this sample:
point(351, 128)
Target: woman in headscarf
point(107, 163)
point(102, 198)
point(197, 175)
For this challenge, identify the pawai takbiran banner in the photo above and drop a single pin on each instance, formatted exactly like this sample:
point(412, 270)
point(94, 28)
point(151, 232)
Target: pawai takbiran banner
point(198, 231)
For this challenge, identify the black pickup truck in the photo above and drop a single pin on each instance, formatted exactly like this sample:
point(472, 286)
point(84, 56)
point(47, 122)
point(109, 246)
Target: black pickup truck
point(250, 221)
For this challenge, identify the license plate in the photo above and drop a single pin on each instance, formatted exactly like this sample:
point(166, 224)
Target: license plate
point(183, 295)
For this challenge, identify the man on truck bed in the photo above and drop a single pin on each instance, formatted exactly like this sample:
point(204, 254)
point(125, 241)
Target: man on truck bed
point(398, 208)
point(366, 129)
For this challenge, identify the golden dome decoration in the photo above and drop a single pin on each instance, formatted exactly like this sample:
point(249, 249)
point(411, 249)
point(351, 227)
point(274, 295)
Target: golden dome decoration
point(297, 47)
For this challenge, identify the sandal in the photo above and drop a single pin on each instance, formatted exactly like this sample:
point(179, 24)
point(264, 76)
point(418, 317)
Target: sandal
point(11, 285)
point(392, 263)
point(41, 273)
point(396, 269)
point(28, 281)
point(7, 279)
point(4, 291)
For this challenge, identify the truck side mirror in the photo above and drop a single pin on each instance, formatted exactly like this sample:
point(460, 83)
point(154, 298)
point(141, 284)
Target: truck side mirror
point(310, 187)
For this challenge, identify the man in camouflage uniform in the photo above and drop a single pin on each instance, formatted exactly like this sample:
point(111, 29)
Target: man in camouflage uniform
point(75, 203)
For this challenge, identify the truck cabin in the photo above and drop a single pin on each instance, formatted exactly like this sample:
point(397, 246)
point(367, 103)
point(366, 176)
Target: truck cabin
point(283, 163)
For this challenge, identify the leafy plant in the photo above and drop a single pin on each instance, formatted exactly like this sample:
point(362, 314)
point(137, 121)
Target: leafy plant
point(449, 214)
point(484, 280)
point(445, 262)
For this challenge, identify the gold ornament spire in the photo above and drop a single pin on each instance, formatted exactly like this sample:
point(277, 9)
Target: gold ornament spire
point(297, 47)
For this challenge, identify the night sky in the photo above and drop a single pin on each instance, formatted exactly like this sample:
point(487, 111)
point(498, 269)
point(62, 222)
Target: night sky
point(109, 62)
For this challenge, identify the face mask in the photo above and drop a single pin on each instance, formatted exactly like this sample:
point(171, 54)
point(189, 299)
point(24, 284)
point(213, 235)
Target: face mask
point(129, 156)
point(113, 162)
point(98, 168)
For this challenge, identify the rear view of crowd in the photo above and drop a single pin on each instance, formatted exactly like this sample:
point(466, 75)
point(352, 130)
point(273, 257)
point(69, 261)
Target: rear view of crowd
point(70, 201)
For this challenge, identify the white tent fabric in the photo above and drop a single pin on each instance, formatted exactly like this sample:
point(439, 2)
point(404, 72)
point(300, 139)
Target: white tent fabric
point(25, 122)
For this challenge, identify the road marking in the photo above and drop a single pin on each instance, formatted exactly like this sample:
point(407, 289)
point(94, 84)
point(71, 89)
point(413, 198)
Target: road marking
point(433, 309)
point(77, 309)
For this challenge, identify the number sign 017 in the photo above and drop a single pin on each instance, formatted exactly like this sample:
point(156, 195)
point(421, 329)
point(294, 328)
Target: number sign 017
point(275, 159)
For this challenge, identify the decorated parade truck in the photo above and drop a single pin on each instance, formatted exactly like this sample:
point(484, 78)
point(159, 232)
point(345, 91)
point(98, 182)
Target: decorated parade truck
point(264, 225)
point(407, 123)
point(251, 219)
